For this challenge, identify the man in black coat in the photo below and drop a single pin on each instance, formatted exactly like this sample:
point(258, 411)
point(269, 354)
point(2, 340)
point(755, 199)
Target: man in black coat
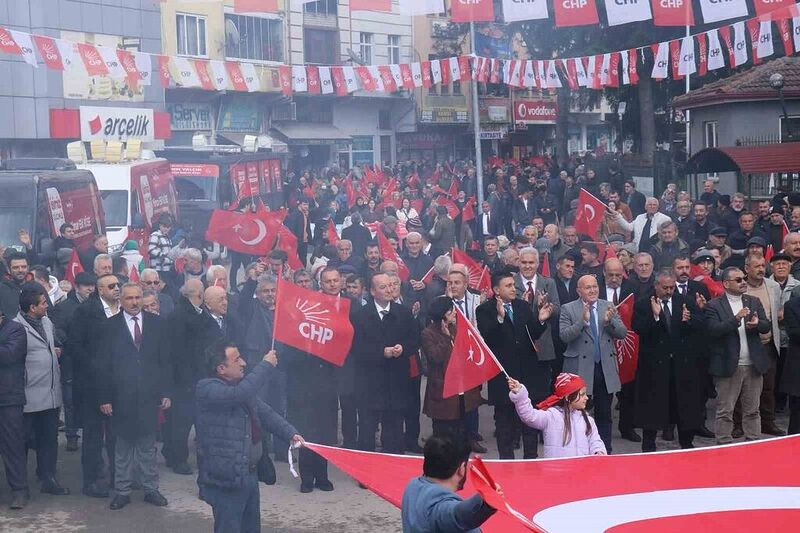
point(790, 380)
point(509, 327)
point(13, 349)
point(61, 315)
point(418, 263)
point(668, 383)
point(565, 280)
point(134, 384)
point(84, 346)
point(634, 198)
point(385, 337)
point(188, 330)
point(615, 288)
point(299, 223)
point(312, 393)
point(738, 359)
point(357, 234)
point(11, 287)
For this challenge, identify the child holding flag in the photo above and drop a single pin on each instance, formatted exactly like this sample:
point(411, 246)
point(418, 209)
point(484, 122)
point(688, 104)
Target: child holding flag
point(567, 430)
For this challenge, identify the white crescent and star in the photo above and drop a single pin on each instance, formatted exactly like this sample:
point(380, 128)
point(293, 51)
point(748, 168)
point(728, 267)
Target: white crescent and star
point(262, 232)
point(471, 352)
point(588, 207)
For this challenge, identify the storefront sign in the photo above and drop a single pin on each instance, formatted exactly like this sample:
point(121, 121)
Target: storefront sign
point(495, 110)
point(116, 123)
point(535, 112)
point(194, 170)
point(423, 141)
point(189, 117)
point(493, 134)
point(445, 116)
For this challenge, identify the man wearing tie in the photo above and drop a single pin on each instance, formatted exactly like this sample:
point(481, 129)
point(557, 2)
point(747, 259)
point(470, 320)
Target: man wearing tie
point(669, 386)
point(486, 224)
point(133, 386)
point(587, 327)
point(615, 288)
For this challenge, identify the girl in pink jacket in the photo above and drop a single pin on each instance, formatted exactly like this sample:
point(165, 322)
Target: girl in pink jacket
point(567, 430)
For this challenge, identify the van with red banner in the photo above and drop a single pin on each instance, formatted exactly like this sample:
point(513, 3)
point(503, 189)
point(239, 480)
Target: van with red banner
point(39, 195)
point(209, 180)
point(133, 191)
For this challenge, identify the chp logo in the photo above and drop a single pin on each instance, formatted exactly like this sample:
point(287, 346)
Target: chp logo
point(314, 326)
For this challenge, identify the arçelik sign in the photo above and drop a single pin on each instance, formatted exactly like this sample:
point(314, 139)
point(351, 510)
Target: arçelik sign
point(116, 123)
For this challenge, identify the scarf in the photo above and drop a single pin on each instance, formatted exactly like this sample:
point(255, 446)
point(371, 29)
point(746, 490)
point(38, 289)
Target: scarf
point(36, 324)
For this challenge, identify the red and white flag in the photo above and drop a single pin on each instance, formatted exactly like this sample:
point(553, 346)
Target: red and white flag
point(144, 64)
point(236, 76)
point(675, 58)
point(7, 42)
point(569, 69)
point(471, 361)
point(715, 11)
point(686, 62)
point(325, 80)
point(333, 237)
point(716, 55)
point(251, 79)
point(580, 72)
point(673, 13)
point(590, 213)
point(313, 322)
point(95, 66)
point(785, 31)
point(366, 79)
point(554, 81)
point(436, 72)
point(764, 7)
point(73, 267)
point(187, 75)
point(206, 81)
point(115, 70)
point(625, 12)
point(660, 61)
point(350, 79)
point(299, 79)
point(627, 348)
point(702, 54)
point(128, 62)
point(133, 275)
point(164, 75)
point(376, 75)
point(49, 52)
point(285, 79)
point(247, 233)
point(633, 66)
point(407, 76)
point(417, 76)
point(312, 74)
point(25, 46)
point(472, 10)
point(337, 73)
point(444, 69)
point(575, 13)
point(388, 253)
point(477, 281)
point(739, 44)
point(387, 78)
point(220, 74)
point(493, 494)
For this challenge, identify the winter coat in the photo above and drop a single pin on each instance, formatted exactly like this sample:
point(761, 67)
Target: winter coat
point(13, 350)
point(551, 423)
point(42, 372)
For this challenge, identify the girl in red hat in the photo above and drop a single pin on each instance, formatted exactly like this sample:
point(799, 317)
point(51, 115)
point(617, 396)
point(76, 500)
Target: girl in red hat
point(566, 429)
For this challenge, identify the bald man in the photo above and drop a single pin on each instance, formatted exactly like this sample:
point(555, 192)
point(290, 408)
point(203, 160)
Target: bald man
point(587, 327)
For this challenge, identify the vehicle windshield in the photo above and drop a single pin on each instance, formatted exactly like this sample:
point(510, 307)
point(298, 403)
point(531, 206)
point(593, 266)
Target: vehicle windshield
point(13, 219)
point(196, 188)
point(115, 206)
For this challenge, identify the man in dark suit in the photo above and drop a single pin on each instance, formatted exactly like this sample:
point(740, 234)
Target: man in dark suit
point(668, 383)
point(299, 223)
point(486, 223)
point(134, 384)
point(565, 281)
point(357, 234)
point(634, 198)
point(615, 288)
point(490, 257)
point(510, 328)
point(523, 211)
point(385, 337)
point(738, 360)
point(84, 346)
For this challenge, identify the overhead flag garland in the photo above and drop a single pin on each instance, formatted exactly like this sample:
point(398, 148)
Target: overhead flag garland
point(733, 45)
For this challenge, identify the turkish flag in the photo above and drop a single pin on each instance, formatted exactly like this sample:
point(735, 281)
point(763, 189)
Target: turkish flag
point(287, 241)
point(715, 288)
point(471, 361)
point(784, 232)
point(740, 488)
point(488, 489)
point(388, 253)
point(472, 10)
point(255, 6)
point(590, 213)
point(247, 233)
point(313, 322)
point(134, 274)
point(49, 51)
point(73, 267)
point(627, 348)
point(476, 279)
point(333, 237)
point(95, 66)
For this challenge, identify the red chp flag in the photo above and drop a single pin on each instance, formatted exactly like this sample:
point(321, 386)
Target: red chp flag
point(49, 51)
point(590, 214)
point(472, 10)
point(478, 280)
point(388, 253)
point(575, 13)
point(313, 322)
point(471, 361)
point(627, 348)
point(673, 13)
point(95, 66)
point(248, 233)
point(73, 268)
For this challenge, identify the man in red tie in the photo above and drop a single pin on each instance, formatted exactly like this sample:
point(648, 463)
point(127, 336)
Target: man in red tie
point(133, 386)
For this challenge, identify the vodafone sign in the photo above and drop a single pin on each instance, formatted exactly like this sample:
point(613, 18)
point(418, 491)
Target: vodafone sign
point(116, 123)
point(535, 112)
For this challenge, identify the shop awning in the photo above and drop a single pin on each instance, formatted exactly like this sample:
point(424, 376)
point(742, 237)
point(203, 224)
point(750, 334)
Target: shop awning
point(763, 159)
point(295, 133)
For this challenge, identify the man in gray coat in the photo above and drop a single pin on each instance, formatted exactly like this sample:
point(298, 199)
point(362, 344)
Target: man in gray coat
point(587, 327)
point(42, 385)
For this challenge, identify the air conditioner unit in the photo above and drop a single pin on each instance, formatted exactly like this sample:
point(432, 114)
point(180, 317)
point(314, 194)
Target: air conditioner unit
point(199, 140)
point(250, 143)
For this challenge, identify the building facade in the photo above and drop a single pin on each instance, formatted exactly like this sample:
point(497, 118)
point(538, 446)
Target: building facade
point(41, 108)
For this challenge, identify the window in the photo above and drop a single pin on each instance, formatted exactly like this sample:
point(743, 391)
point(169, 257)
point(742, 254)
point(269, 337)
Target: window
point(386, 149)
point(320, 46)
point(394, 49)
point(322, 7)
point(790, 129)
point(384, 119)
point(191, 31)
point(363, 152)
point(710, 134)
point(456, 87)
point(365, 39)
point(115, 205)
point(260, 39)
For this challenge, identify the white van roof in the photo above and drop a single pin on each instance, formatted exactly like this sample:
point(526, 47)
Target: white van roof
point(116, 176)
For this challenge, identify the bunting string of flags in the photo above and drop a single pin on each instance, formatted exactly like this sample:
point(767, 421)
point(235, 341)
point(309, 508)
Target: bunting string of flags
point(730, 45)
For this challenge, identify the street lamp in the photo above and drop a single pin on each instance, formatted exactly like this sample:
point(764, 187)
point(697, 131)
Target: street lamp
point(776, 81)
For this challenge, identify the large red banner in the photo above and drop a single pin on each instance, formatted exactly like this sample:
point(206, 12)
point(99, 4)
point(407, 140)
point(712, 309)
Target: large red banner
point(745, 487)
point(156, 188)
point(78, 207)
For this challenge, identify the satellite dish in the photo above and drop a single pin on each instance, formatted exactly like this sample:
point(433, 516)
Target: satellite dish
point(232, 35)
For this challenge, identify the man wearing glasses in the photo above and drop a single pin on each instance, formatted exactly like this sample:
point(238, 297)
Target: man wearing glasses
point(738, 359)
point(150, 280)
point(83, 347)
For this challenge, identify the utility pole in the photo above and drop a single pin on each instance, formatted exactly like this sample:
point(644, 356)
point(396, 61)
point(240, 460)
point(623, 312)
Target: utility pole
point(476, 122)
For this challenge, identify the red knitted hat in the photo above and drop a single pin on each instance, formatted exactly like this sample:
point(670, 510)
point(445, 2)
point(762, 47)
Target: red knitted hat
point(566, 384)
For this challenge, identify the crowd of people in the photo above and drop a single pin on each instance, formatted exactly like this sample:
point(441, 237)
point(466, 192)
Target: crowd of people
point(123, 363)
